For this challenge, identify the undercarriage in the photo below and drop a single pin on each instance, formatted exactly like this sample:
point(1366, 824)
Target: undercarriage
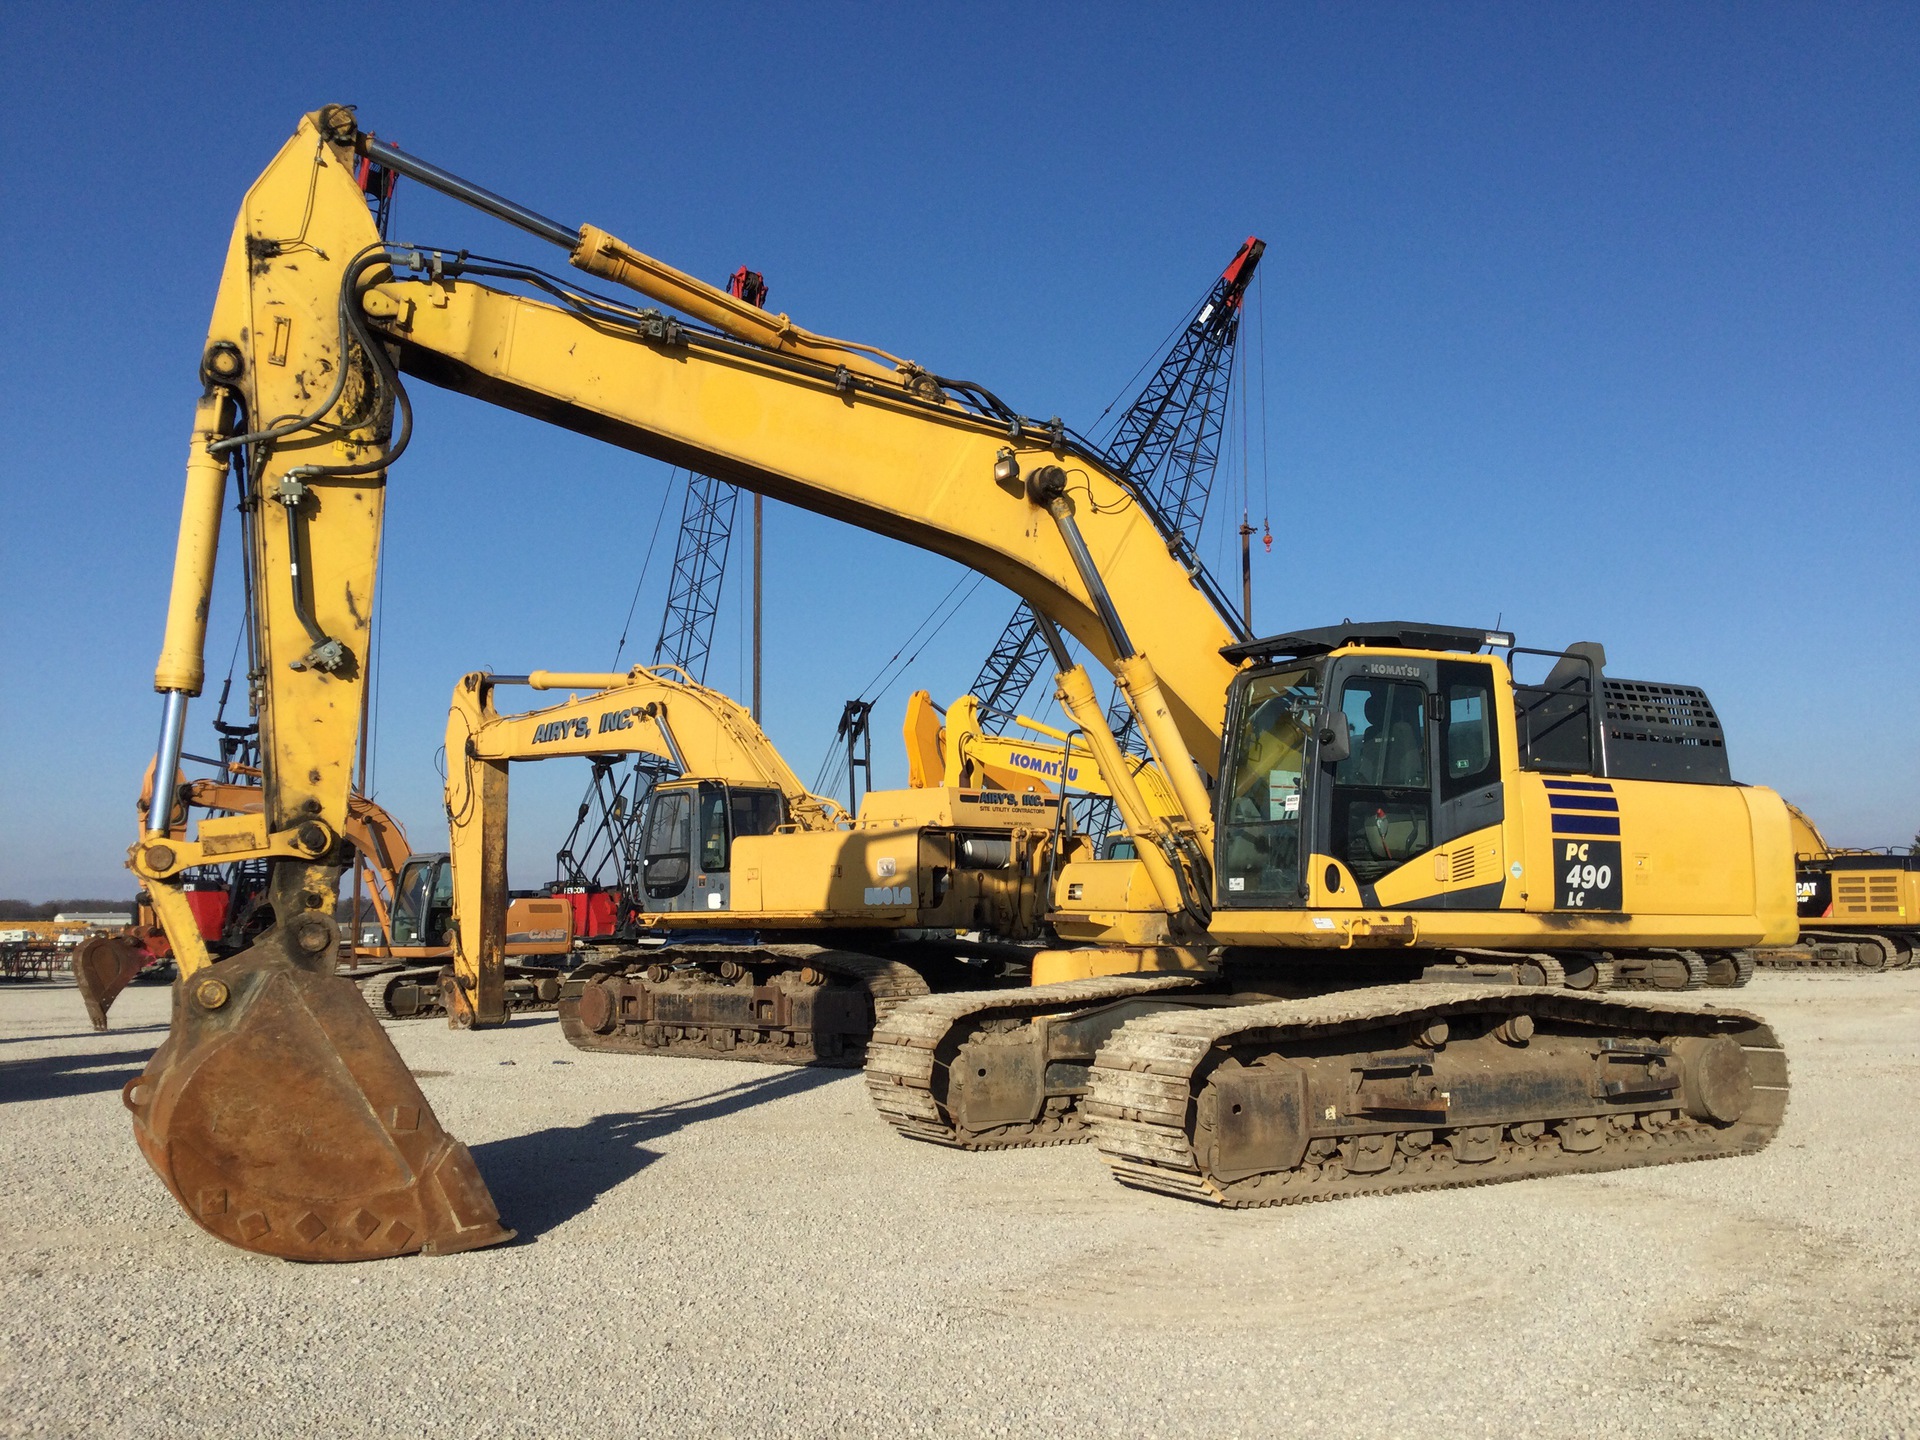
point(1189, 1087)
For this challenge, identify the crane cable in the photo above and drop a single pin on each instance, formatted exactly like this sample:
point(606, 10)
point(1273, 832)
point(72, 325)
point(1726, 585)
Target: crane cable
point(634, 604)
point(895, 666)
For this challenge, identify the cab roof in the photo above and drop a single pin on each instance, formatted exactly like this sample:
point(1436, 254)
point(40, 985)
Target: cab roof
point(1387, 634)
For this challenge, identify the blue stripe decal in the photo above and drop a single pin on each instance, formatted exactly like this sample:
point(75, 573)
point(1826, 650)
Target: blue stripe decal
point(1601, 786)
point(1585, 825)
point(1582, 802)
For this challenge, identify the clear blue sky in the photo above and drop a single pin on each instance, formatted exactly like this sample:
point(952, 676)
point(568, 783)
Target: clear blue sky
point(1597, 318)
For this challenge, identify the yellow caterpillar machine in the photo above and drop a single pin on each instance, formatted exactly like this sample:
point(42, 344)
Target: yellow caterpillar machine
point(1859, 909)
point(1352, 804)
point(788, 923)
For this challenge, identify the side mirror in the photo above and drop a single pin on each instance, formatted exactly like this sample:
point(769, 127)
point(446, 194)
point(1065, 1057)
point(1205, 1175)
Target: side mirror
point(1336, 737)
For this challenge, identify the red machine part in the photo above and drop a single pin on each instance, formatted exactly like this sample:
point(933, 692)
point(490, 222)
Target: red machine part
point(595, 912)
point(209, 904)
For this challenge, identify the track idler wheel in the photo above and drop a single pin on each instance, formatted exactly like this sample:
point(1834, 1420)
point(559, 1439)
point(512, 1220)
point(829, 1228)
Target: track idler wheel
point(103, 966)
point(284, 1121)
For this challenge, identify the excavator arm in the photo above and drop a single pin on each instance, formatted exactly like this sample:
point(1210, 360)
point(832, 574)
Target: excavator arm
point(649, 710)
point(316, 320)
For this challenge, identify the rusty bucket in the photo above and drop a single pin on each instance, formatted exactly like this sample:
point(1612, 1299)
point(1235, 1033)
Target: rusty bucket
point(103, 966)
point(284, 1121)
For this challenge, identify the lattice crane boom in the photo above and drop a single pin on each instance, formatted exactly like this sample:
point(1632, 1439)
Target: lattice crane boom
point(1168, 443)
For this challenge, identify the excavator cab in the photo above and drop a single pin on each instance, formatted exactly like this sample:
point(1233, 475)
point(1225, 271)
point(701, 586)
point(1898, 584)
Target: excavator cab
point(689, 830)
point(1366, 764)
point(423, 904)
point(1401, 767)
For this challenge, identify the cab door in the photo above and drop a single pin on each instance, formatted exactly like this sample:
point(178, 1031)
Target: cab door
point(1378, 815)
point(687, 858)
point(422, 911)
point(713, 851)
point(1469, 834)
point(666, 860)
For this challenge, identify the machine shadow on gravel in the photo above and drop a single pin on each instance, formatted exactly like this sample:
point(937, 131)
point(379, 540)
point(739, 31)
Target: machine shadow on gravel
point(544, 1179)
point(55, 1077)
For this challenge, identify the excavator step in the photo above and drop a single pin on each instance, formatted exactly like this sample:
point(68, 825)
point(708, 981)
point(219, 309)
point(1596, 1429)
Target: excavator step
point(1383, 1090)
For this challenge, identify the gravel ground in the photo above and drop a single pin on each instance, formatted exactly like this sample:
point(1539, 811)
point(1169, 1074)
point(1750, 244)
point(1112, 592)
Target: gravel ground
point(730, 1249)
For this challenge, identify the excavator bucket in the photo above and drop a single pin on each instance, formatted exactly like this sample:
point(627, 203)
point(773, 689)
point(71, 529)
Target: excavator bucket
point(103, 966)
point(284, 1121)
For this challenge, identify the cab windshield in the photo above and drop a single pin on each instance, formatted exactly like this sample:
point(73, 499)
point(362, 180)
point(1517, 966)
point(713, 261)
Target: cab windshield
point(420, 917)
point(1260, 840)
point(407, 906)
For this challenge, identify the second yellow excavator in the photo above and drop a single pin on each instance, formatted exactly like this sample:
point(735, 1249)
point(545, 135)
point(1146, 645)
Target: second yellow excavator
point(776, 925)
point(951, 747)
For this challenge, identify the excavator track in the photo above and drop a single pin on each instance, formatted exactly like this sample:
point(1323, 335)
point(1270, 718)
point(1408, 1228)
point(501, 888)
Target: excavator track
point(915, 1060)
point(1840, 950)
point(1731, 969)
point(414, 993)
point(1661, 970)
point(1377, 1091)
point(780, 1004)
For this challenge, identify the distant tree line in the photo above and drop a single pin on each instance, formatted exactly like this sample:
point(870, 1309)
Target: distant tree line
point(47, 909)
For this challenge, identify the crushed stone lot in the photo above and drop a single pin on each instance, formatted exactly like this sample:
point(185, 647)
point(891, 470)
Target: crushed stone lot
point(710, 1248)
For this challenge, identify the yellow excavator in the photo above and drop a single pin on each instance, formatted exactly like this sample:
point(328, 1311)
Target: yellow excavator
point(1358, 804)
point(1859, 909)
point(777, 925)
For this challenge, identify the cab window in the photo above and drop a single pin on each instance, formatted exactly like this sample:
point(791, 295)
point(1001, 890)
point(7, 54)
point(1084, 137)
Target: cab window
point(409, 906)
point(1387, 720)
point(756, 812)
point(669, 847)
point(1260, 839)
point(1469, 753)
point(713, 829)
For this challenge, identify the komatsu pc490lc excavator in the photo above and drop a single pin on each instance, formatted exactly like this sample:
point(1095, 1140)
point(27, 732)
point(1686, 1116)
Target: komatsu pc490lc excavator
point(1344, 796)
point(780, 924)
